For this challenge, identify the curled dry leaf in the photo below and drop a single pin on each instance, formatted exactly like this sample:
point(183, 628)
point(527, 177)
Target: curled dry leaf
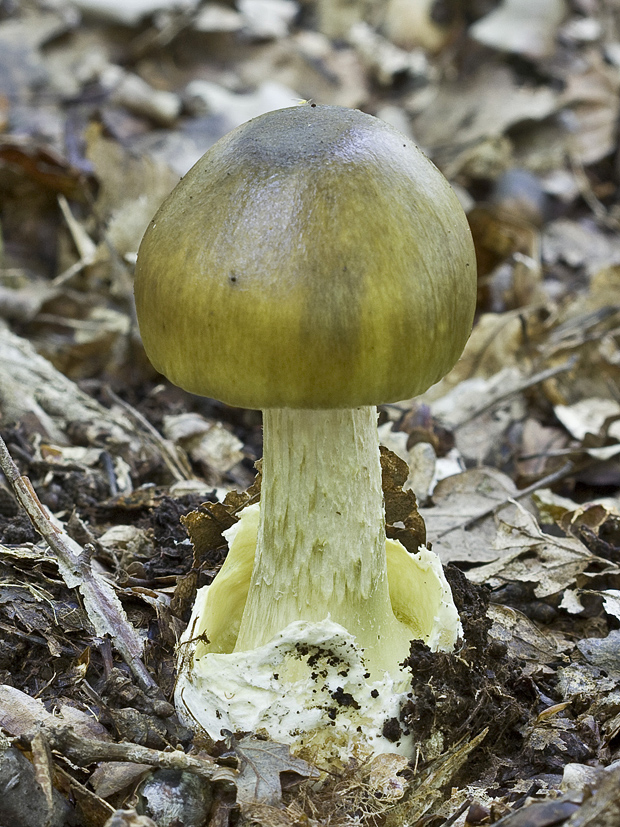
point(480, 106)
point(553, 564)
point(524, 640)
point(593, 421)
point(400, 505)
point(525, 27)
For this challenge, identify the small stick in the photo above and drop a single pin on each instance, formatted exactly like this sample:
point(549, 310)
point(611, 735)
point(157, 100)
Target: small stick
point(566, 470)
point(178, 467)
point(102, 606)
point(84, 751)
point(528, 382)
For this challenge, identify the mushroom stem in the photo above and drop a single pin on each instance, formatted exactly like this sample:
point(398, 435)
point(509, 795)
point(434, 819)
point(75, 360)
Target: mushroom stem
point(321, 539)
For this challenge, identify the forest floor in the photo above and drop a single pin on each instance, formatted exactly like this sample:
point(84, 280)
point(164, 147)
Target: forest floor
point(514, 457)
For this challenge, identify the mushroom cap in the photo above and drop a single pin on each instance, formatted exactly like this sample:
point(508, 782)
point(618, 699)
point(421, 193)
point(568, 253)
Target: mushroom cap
point(314, 257)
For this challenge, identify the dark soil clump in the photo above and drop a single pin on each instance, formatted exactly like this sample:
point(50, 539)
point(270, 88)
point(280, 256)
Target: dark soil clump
point(460, 694)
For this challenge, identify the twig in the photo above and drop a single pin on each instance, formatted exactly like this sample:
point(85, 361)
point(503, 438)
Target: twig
point(85, 751)
point(102, 606)
point(464, 806)
point(86, 247)
point(588, 194)
point(528, 382)
point(179, 468)
point(566, 470)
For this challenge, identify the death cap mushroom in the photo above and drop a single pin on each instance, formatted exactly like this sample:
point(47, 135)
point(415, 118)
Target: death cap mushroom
point(313, 258)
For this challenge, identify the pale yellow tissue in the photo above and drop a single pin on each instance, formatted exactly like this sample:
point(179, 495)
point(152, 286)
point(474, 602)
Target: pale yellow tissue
point(228, 592)
point(418, 592)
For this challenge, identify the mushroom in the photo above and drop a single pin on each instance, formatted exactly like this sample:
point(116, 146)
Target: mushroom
point(314, 263)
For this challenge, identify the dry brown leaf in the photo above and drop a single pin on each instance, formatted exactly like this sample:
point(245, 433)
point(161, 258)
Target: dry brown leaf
point(524, 27)
point(580, 244)
point(603, 652)
point(458, 499)
point(19, 713)
point(483, 105)
point(205, 527)
point(209, 444)
point(425, 791)
point(603, 808)
point(524, 639)
point(262, 764)
point(526, 554)
point(110, 778)
point(411, 23)
point(591, 418)
point(400, 506)
point(594, 106)
point(130, 187)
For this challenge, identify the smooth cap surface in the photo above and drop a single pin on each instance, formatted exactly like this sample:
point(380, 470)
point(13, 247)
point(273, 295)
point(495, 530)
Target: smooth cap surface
point(313, 258)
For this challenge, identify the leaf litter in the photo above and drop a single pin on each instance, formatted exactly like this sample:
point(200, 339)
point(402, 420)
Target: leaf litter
point(509, 467)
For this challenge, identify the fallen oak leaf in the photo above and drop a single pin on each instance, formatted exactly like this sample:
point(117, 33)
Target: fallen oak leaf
point(261, 765)
point(528, 554)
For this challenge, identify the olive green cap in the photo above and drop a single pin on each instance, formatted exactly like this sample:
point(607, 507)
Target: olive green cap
point(313, 258)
